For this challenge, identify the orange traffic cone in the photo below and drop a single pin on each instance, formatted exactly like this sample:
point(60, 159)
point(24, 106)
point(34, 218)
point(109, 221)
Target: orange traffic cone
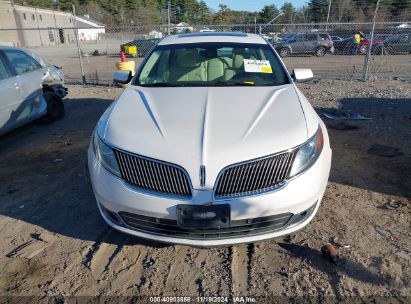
point(123, 57)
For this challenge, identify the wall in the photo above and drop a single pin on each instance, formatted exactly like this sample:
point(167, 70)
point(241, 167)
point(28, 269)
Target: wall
point(7, 21)
point(35, 22)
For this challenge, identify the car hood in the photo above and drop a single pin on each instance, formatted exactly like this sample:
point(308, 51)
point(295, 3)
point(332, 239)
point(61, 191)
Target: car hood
point(210, 126)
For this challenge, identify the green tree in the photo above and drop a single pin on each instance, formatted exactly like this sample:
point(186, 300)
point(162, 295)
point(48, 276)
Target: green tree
point(224, 15)
point(288, 13)
point(401, 10)
point(268, 13)
point(318, 10)
point(203, 13)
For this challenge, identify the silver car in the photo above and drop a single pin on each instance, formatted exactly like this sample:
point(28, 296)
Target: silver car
point(30, 88)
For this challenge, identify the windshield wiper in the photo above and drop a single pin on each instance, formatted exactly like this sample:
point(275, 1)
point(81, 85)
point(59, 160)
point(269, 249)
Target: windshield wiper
point(159, 84)
point(233, 83)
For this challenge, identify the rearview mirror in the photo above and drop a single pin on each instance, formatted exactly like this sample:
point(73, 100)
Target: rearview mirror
point(122, 77)
point(302, 75)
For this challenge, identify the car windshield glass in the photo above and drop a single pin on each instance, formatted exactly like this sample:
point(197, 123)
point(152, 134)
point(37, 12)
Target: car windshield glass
point(212, 64)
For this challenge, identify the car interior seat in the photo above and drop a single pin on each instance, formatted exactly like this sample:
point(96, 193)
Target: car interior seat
point(187, 66)
point(237, 65)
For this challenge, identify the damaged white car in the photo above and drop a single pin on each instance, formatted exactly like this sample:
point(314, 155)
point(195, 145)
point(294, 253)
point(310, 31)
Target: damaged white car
point(210, 144)
point(30, 88)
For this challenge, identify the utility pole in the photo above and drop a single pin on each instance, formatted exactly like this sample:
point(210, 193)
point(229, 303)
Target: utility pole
point(328, 14)
point(367, 57)
point(261, 26)
point(83, 76)
point(255, 25)
point(168, 17)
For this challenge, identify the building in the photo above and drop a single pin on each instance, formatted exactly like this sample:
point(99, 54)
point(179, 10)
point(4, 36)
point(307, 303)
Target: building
point(28, 26)
point(89, 29)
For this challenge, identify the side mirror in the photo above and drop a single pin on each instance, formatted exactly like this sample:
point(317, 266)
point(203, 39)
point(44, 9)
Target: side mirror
point(122, 77)
point(302, 75)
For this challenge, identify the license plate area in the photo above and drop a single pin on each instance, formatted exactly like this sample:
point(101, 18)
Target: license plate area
point(203, 217)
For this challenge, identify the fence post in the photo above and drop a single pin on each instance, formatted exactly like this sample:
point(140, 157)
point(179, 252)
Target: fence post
point(367, 57)
point(259, 29)
point(83, 76)
point(328, 15)
point(168, 17)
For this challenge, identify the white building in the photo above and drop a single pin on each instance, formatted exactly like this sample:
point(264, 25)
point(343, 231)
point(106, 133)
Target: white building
point(28, 26)
point(89, 29)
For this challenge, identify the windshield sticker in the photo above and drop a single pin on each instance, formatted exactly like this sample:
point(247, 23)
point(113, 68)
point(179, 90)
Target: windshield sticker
point(257, 66)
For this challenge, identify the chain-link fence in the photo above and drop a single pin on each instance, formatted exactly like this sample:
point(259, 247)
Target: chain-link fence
point(330, 50)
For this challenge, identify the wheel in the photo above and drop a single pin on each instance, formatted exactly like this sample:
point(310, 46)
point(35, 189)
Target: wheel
point(387, 51)
point(55, 106)
point(363, 49)
point(284, 52)
point(320, 52)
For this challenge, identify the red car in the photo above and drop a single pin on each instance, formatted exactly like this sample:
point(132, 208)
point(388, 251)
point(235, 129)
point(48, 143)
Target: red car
point(379, 38)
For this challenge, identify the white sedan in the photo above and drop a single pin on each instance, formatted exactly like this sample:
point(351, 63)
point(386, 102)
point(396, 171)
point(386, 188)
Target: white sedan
point(210, 144)
point(30, 88)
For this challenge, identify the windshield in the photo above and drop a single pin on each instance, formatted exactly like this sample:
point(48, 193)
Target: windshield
point(212, 64)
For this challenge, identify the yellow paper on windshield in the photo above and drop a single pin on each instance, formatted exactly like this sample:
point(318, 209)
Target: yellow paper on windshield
point(257, 66)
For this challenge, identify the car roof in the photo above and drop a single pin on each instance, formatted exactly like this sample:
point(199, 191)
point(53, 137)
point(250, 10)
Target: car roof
point(6, 47)
point(234, 37)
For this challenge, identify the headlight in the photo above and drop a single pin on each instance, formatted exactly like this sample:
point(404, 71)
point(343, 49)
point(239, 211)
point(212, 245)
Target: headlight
point(105, 155)
point(308, 153)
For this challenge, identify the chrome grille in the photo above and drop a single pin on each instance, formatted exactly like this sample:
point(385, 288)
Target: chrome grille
point(153, 175)
point(254, 176)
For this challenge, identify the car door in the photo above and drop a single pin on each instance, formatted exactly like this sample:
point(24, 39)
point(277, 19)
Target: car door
point(310, 43)
point(29, 74)
point(297, 44)
point(10, 96)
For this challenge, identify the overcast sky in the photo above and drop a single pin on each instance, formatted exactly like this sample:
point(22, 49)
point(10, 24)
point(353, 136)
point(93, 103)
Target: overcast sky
point(250, 5)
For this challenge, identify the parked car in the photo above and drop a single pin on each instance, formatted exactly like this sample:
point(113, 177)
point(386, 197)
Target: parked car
point(30, 88)
point(285, 36)
point(306, 43)
point(211, 143)
point(143, 46)
point(206, 30)
point(337, 39)
point(400, 44)
point(377, 39)
point(346, 46)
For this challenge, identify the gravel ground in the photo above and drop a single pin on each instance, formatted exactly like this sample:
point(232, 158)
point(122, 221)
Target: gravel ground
point(55, 245)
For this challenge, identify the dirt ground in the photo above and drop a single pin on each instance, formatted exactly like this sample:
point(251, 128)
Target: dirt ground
point(55, 246)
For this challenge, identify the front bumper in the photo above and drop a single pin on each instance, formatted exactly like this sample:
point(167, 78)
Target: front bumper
point(283, 211)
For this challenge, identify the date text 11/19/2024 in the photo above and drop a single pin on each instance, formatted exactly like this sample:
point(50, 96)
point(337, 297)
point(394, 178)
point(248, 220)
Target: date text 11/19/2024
point(205, 299)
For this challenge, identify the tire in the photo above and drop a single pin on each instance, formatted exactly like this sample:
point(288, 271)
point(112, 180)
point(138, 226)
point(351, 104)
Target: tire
point(388, 51)
point(320, 52)
point(363, 49)
point(55, 106)
point(284, 52)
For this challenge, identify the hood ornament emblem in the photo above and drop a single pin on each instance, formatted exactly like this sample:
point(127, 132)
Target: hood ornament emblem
point(202, 175)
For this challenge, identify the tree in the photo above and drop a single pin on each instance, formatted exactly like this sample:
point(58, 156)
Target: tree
point(268, 13)
point(318, 10)
point(67, 5)
point(288, 13)
point(224, 15)
point(203, 13)
point(401, 10)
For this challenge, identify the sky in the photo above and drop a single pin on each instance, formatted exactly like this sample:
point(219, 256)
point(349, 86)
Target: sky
point(250, 5)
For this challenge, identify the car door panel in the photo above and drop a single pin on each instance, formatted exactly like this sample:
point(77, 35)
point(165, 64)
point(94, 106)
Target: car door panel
point(10, 96)
point(29, 75)
point(298, 45)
